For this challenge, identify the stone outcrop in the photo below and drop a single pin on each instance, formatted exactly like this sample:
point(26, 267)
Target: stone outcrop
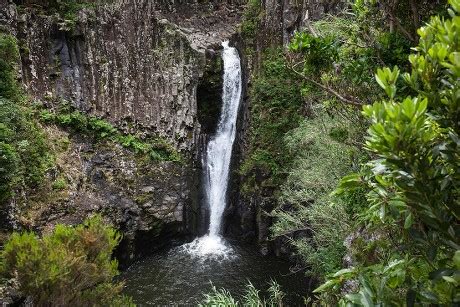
point(138, 196)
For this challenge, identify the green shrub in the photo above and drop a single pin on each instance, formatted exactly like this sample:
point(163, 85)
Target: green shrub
point(251, 19)
point(59, 184)
point(305, 202)
point(8, 170)
point(9, 56)
point(26, 142)
point(320, 51)
point(393, 49)
point(72, 266)
point(414, 179)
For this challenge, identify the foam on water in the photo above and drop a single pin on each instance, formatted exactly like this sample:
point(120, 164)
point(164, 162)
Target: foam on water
point(209, 247)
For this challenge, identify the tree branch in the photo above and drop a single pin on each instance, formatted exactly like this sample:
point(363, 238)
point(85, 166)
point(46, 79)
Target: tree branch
point(331, 91)
point(389, 8)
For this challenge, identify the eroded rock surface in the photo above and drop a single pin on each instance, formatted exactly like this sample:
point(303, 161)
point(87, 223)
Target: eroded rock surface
point(130, 191)
point(136, 63)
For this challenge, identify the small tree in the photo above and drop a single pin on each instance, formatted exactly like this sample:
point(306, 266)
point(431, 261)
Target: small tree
point(414, 178)
point(72, 266)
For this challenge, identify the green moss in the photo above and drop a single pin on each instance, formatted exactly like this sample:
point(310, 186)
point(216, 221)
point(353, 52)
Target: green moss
point(142, 198)
point(59, 184)
point(62, 144)
point(24, 152)
point(276, 103)
point(157, 149)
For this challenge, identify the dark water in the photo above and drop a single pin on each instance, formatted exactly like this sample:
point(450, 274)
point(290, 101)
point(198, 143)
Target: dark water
point(175, 277)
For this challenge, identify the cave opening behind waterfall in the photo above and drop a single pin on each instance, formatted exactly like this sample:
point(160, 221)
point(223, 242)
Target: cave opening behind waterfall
point(209, 93)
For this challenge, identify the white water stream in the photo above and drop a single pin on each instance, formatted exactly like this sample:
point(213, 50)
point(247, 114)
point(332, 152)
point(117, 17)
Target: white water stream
point(218, 156)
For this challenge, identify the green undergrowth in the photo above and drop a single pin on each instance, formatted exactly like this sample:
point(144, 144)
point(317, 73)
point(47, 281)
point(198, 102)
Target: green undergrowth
point(251, 18)
point(324, 153)
point(407, 248)
point(252, 297)
point(24, 150)
point(157, 149)
point(276, 104)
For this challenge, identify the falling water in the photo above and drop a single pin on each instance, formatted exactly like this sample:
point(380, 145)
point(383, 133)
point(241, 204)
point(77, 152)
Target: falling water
point(218, 156)
point(219, 149)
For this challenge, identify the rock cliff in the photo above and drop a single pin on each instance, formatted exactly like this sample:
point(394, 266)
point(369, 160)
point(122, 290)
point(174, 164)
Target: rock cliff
point(141, 65)
point(136, 63)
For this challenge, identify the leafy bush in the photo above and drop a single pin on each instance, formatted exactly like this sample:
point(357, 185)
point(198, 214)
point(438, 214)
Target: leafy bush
point(72, 266)
point(339, 56)
point(321, 52)
point(9, 55)
point(59, 184)
point(305, 204)
point(393, 49)
point(414, 179)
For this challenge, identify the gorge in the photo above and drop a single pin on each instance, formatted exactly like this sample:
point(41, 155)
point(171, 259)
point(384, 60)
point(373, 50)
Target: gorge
point(229, 152)
point(181, 274)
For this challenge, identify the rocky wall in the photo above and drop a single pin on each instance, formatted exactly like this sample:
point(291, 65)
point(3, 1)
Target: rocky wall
point(136, 63)
point(146, 200)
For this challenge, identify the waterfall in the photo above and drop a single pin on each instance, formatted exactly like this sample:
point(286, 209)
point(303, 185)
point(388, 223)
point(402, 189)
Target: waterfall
point(219, 151)
point(218, 156)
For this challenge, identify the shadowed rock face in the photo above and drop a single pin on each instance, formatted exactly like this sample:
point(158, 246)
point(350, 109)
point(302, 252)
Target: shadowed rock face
point(136, 63)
